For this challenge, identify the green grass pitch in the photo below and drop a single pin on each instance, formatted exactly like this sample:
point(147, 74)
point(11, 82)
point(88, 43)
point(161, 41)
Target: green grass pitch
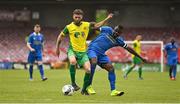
point(155, 88)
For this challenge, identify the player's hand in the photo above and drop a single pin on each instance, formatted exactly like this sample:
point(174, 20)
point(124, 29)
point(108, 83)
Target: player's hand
point(110, 15)
point(144, 60)
point(32, 50)
point(57, 52)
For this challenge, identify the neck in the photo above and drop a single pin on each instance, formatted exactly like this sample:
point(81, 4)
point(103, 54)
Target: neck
point(77, 23)
point(37, 32)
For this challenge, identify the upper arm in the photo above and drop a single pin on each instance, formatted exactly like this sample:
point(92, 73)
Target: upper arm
point(65, 31)
point(60, 37)
point(43, 40)
point(165, 48)
point(29, 40)
point(101, 29)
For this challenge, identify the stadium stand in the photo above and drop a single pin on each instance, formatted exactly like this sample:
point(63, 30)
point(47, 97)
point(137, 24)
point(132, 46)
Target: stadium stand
point(13, 44)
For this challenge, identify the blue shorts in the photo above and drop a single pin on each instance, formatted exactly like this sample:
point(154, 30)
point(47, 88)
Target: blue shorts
point(33, 57)
point(172, 61)
point(101, 58)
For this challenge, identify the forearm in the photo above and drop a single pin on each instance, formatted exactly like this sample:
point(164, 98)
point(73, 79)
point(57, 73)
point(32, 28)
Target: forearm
point(99, 24)
point(29, 46)
point(165, 53)
point(58, 42)
point(129, 49)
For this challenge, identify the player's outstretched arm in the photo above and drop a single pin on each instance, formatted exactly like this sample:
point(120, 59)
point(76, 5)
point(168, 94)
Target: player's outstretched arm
point(58, 42)
point(129, 49)
point(99, 24)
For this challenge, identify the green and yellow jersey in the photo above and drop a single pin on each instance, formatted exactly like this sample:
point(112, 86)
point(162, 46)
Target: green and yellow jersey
point(78, 35)
point(137, 47)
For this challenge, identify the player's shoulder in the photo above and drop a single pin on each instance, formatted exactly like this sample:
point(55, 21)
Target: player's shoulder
point(41, 34)
point(176, 45)
point(135, 41)
point(106, 29)
point(168, 44)
point(31, 34)
point(84, 22)
point(69, 25)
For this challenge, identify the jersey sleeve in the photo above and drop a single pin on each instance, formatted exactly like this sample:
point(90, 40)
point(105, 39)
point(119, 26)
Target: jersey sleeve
point(65, 31)
point(177, 46)
point(165, 47)
point(30, 39)
point(106, 29)
point(121, 42)
point(42, 38)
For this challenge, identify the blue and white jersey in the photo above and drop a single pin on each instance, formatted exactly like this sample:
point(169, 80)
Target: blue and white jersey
point(105, 40)
point(172, 50)
point(36, 41)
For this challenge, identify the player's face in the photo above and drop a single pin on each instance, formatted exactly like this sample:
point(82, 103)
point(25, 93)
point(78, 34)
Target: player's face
point(118, 33)
point(77, 18)
point(37, 29)
point(139, 37)
point(172, 40)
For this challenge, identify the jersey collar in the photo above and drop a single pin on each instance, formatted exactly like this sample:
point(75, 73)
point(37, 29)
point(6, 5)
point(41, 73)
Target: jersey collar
point(36, 34)
point(79, 24)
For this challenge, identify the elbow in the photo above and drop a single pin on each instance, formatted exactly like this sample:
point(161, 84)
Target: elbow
point(97, 25)
point(27, 44)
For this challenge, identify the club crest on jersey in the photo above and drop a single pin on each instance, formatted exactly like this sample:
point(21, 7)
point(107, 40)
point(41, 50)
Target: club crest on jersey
point(174, 49)
point(76, 34)
point(85, 28)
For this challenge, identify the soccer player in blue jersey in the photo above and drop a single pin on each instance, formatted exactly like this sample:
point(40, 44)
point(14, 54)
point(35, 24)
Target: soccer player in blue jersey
point(35, 46)
point(171, 53)
point(107, 39)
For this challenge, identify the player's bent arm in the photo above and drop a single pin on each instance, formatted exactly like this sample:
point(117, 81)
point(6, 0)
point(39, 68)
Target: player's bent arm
point(58, 42)
point(29, 47)
point(165, 53)
point(99, 24)
point(129, 49)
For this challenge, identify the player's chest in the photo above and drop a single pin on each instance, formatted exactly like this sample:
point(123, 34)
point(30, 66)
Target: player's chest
point(173, 49)
point(79, 32)
point(37, 38)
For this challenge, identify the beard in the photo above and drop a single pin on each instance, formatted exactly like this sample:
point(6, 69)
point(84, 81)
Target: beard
point(78, 23)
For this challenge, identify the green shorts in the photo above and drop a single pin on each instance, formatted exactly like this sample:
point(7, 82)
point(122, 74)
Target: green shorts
point(81, 57)
point(137, 60)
